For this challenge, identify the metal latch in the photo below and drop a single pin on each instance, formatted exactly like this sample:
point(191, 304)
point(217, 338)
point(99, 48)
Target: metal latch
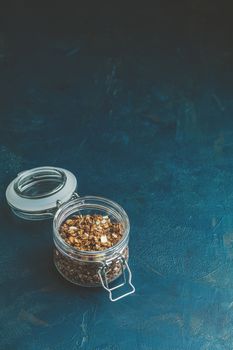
point(103, 278)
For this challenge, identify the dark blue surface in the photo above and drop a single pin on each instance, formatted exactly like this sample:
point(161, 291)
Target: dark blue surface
point(148, 124)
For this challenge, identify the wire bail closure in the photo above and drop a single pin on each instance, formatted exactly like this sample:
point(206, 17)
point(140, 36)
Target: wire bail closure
point(103, 278)
point(74, 196)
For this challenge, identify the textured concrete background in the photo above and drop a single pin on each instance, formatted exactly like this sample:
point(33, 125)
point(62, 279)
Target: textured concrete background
point(140, 109)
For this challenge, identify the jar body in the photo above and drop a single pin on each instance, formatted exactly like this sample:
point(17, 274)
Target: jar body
point(85, 272)
point(91, 268)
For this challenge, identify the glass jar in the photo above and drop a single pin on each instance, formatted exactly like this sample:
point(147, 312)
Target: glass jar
point(49, 192)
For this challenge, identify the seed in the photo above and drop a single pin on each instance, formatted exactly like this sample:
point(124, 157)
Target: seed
point(72, 231)
point(103, 239)
point(69, 222)
point(74, 228)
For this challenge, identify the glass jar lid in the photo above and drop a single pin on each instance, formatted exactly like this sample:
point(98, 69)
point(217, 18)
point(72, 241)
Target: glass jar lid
point(36, 194)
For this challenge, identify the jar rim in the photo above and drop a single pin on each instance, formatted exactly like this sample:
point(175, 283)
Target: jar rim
point(85, 202)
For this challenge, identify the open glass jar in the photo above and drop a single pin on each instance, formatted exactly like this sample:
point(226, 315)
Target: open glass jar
point(48, 192)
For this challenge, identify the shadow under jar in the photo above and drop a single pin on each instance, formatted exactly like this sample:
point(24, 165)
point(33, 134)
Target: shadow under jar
point(49, 192)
